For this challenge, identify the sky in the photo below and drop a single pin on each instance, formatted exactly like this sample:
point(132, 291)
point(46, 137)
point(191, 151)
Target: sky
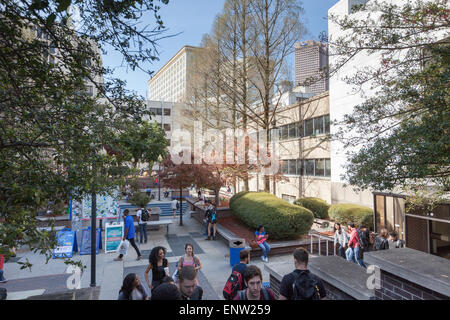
point(189, 20)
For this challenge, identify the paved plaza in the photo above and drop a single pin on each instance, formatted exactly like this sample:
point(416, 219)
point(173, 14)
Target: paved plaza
point(50, 279)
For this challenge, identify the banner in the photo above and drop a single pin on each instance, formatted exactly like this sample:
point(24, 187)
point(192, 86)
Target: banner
point(85, 247)
point(113, 236)
point(66, 244)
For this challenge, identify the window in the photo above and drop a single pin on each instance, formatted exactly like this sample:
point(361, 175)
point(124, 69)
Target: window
point(52, 48)
point(284, 166)
point(284, 134)
point(168, 142)
point(320, 167)
point(299, 167)
point(90, 90)
point(166, 127)
point(292, 131)
point(300, 129)
point(318, 126)
point(327, 123)
point(309, 167)
point(327, 167)
point(166, 112)
point(293, 167)
point(309, 127)
point(159, 111)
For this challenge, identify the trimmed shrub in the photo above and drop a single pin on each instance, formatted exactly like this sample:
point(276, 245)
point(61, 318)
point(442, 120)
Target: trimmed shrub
point(346, 212)
point(318, 206)
point(280, 219)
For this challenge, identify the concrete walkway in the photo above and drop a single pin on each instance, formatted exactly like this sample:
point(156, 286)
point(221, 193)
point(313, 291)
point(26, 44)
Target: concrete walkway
point(52, 277)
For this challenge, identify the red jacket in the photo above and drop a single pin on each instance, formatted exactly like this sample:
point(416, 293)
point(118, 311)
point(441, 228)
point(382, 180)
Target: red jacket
point(354, 240)
point(2, 258)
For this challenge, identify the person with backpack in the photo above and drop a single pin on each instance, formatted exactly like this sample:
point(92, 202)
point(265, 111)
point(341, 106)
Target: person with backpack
point(254, 291)
point(188, 259)
point(236, 281)
point(143, 215)
point(129, 234)
point(381, 242)
point(301, 284)
point(188, 284)
point(208, 208)
point(211, 218)
point(394, 241)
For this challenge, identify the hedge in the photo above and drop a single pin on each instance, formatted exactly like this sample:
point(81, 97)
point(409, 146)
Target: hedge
point(347, 212)
point(280, 219)
point(318, 206)
point(140, 199)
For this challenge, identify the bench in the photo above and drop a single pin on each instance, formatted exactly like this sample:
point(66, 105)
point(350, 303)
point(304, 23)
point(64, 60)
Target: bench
point(165, 222)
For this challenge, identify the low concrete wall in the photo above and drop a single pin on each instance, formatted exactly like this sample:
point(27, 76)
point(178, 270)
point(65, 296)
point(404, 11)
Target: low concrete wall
point(408, 274)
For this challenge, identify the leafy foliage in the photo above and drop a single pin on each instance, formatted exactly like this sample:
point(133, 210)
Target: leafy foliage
point(347, 212)
point(318, 206)
point(280, 219)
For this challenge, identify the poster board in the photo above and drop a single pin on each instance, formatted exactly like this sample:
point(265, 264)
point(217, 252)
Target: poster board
point(66, 244)
point(85, 247)
point(113, 236)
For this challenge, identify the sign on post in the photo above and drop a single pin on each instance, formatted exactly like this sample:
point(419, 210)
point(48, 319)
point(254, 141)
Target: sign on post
point(66, 244)
point(113, 236)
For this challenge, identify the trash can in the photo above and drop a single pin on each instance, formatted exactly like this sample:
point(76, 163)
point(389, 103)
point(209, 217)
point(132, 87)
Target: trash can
point(236, 245)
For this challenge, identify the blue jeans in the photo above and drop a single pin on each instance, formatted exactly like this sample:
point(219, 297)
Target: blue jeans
point(206, 227)
point(2, 278)
point(357, 251)
point(142, 232)
point(265, 248)
point(352, 255)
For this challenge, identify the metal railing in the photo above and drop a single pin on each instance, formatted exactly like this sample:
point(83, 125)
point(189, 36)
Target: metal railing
point(320, 237)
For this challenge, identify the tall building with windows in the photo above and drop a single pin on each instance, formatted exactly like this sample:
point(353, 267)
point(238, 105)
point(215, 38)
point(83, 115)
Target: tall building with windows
point(170, 83)
point(310, 58)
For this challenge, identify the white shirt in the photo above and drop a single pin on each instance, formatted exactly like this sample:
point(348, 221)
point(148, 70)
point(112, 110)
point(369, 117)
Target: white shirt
point(174, 204)
point(139, 214)
point(341, 238)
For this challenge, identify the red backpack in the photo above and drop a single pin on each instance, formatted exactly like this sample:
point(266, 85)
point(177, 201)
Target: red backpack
point(233, 285)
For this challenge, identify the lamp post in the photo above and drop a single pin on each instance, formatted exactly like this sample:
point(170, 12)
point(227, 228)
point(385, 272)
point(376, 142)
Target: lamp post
point(93, 237)
point(159, 179)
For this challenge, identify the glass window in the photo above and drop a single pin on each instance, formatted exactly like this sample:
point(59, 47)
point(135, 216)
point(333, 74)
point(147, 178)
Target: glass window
point(292, 131)
point(299, 167)
point(309, 126)
point(166, 112)
point(327, 123)
point(327, 167)
point(320, 167)
point(166, 126)
point(309, 167)
point(300, 132)
point(168, 142)
point(159, 111)
point(284, 134)
point(293, 167)
point(153, 111)
point(318, 126)
point(284, 166)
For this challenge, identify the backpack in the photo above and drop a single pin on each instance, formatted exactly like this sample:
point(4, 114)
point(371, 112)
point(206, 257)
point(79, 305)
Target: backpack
point(234, 283)
point(213, 215)
point(178, 205)
point(243, 296)
point(144, 215)
point(305, 287)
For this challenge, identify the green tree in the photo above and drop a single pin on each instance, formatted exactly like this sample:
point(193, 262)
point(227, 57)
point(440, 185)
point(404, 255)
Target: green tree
point(59, 136)
point(403, 129)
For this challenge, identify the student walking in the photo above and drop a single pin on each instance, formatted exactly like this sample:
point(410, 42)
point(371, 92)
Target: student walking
point(340, 239)
point(159, 266)
point(394, 241)
point(254, 291)
point(301, 284)
point(132, 289)
point(381, 242)
point(353, 252)
point(129, 234)
point(143, 215)
point(236, 281)
point(261, 239)
point(188, 284)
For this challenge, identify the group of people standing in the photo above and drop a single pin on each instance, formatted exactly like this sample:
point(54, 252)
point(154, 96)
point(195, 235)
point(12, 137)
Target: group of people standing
point(353, 242)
